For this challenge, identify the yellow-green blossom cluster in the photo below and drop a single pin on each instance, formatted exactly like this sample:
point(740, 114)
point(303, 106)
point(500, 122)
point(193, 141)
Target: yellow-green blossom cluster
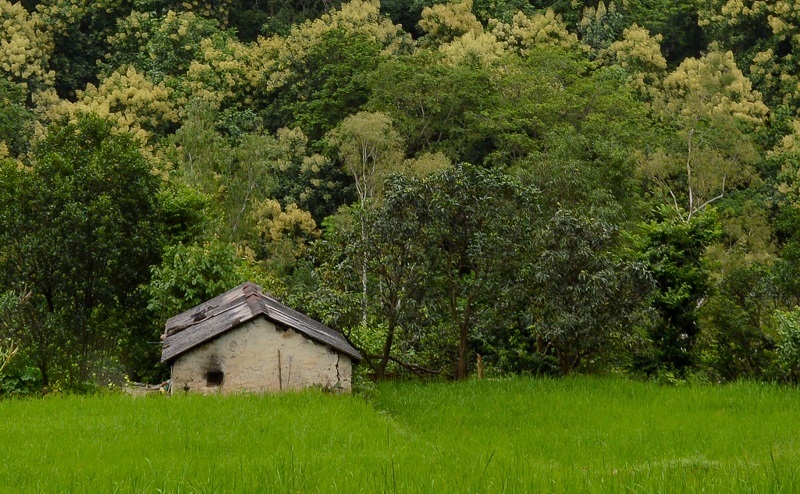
point(640, 54)
point(127, 98)
point(524, 32)
point(776, 74)
point(275, 57)
point(445, 22)
point(713, 84)
point(25, 46)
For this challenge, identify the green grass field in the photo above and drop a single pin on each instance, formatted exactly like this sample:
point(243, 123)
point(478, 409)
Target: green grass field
point(520, 435)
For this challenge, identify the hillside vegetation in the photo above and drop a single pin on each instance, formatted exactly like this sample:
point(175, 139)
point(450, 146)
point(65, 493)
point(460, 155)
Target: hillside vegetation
point(547, 186)
point(521, 435)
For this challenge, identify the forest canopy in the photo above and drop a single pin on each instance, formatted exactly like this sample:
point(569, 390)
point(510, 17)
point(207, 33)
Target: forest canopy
point(543, 187)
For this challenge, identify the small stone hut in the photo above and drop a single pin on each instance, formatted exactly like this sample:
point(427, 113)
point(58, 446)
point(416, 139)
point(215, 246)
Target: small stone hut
point(244, 340)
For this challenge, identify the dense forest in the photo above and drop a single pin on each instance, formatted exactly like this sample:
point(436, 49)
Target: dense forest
point(516, 186)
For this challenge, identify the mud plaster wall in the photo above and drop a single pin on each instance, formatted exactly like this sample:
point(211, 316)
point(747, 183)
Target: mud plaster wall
point(258, 357)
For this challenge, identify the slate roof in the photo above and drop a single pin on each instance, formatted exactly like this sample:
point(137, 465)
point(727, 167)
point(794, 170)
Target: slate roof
point(234, 308)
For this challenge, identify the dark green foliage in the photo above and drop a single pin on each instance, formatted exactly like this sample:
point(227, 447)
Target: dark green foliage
point(394, 256)
point(435, 106)
point(193, 273)
point(674, 253)
point(326, 86)
point(603, 27)
point(407, 13)
point(737, 342)
point(676, 21)
point(160, 48)
point(572, 132)
point(788, 347)
point(477, 226)
point(184, 213)
point(14, 117)
point(74, 60)
point(585, 294)
point(251, 18)
point(78, 230)
point(787, 267)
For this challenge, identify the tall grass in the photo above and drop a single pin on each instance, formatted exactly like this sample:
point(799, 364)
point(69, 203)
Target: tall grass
point(608, 435)
point(520, 435)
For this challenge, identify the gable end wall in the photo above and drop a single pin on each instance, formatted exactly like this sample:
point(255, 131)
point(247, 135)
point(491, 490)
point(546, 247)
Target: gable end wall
point(259, 357)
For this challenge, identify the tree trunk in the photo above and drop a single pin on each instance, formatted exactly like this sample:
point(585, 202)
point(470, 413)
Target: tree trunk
point(380, 370)
point(461, 372)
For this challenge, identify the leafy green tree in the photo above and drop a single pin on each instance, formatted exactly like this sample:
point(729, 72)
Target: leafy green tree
point(446, 248)
point(284, 235)
point(238, 168)
point(14, 119)
point(79, 228)
point(477, 230)
point(788, 348)
point(190, 274)
point(674, 251)
point(586, 295)
point(394, 256)
point(571, 131)
point(763, 37)
point(161, 45)
point(434, 106)
point(602, 25)
point(737, 339)
point(370, 149)
point(326, 85)
point(706, 105)
point(233, 173)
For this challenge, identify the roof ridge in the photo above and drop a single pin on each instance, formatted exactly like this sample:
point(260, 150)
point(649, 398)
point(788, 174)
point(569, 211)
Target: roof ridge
point(251, 301)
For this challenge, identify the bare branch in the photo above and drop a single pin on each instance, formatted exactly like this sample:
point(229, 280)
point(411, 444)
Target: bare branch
point(715, 198)
point(415, 368)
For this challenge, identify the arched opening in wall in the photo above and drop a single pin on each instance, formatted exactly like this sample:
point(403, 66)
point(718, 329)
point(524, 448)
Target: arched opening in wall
point(214, 377)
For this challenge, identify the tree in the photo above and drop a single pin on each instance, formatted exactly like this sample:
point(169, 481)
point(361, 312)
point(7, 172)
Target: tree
point(736, 340)
point(79, 228)
point(397, 269)
point(763, 36)
point(444, 22)
point(585, 293)
point(788, 347)
point(284, 235)
point(14, 119)
point(25, 48)
point(600, 26)
point(477, 230)
point(326, 85)
point(161, 46)
point(640, 55)
point(705, 105)
point(370, 149)
point(190, 274)
point(446, 249)
point(434, 106)
point(569, 130)
point(674, 250)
